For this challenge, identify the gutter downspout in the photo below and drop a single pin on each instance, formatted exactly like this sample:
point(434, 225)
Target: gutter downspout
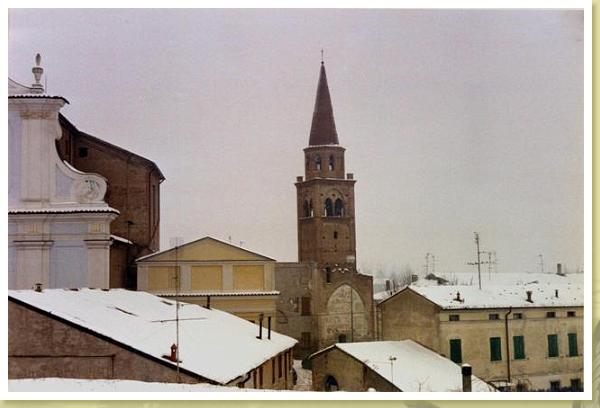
point(507, 343)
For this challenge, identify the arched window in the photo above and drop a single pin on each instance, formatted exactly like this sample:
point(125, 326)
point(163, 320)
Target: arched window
point(328, 208)
point(328, 274)
point(331, 383)
point(306, 208)
point(318, 162)
point(339, 208)
point(311, 211)
point(331, 163)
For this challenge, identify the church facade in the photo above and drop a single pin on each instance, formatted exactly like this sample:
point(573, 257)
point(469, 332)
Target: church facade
point(324, 300)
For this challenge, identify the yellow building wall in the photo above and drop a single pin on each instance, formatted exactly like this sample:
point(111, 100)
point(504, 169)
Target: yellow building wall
point(206, 277)
point(248, 277)
point(410, 316)
point(162, 277)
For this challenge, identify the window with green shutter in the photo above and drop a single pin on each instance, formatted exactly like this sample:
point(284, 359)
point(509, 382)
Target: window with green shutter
point(573, 352)
point(519, 347)
point(455, 351)
point(552, 345)
point(495, 349)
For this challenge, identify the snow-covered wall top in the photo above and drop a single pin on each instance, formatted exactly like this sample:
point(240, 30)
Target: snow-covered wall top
point(213, 344)
point(471, 297)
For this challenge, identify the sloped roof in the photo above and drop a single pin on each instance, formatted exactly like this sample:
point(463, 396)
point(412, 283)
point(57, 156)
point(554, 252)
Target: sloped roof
point(503, 297)
point(214, 345)
point(323, 131)
point(415, 368)
point(205, 249)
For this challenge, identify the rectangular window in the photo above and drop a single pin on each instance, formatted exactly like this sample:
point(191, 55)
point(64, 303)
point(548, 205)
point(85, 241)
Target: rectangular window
point(519, 347)
point(518, 316)
point(494, 316)
point(554, 385)
point(552, 345)
point(83, 152)
point(454, 318)
point(260, 377)
point(305, 306)
point(576, 384)
point(455, 351)
point(571, 313)
point(495, 349)
point(573, 352)
point(550, 314)
point(280, 371)
point(305, 339)
point(273, 371)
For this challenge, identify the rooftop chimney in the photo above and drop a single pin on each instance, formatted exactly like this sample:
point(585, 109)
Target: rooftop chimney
point(37, 287)
point(555, 292)
point(207, 301)
point(529, 296)
point(559, 269)
point(457, 298)
point(349, 176)
point(299, 179)
point(466, 377)
point(173, 356)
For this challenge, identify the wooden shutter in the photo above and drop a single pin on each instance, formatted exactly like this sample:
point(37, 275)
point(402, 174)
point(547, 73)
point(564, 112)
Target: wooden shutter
point(495, 349)
point(455, 351)
point(552, 345)
point(519, 347)
point(573, 345)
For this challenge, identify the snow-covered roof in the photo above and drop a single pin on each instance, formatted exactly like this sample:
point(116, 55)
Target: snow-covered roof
point(64, 210)
point(84, 385)
point(415, 368)
point(471, 297)
point(218, 294)
point(213, 344)
point(120, 239)
point(501, 278)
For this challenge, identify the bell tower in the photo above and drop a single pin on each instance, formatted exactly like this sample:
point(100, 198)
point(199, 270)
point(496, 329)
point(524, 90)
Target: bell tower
point(325, 195)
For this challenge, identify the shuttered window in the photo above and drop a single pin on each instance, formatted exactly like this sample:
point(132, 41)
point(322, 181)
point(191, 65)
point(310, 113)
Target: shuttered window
point(573, 352)
point(495, 349)
point(552, 345)
point(305, 306)
point(455, 351)
point(519, 347)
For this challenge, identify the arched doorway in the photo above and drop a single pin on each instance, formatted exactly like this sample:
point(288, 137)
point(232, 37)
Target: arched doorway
point(331, 384)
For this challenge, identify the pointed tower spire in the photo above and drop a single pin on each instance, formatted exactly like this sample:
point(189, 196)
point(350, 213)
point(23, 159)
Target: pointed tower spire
point(322, 131)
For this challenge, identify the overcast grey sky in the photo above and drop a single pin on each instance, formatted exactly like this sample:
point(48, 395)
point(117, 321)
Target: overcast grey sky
point(454, 121)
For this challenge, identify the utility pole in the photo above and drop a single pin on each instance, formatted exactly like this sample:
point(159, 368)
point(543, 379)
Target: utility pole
point(479, 262)
point(177, 241)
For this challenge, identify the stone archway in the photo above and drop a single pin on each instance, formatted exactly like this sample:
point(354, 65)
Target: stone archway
point(346, 315)
point(331, 384)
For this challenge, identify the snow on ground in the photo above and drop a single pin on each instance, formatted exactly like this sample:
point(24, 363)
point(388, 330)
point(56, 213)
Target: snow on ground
point(84, 385)
point(414, 369)
point(213, 344)
point(304, 381)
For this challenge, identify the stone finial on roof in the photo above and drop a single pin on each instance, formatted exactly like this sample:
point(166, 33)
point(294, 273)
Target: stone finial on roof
point(322, 131)
point(37, 87)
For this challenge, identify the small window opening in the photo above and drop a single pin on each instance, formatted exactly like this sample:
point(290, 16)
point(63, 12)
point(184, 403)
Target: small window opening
point(331, 163)
point(328, 208)
point(83, 152)
point(318, 162)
